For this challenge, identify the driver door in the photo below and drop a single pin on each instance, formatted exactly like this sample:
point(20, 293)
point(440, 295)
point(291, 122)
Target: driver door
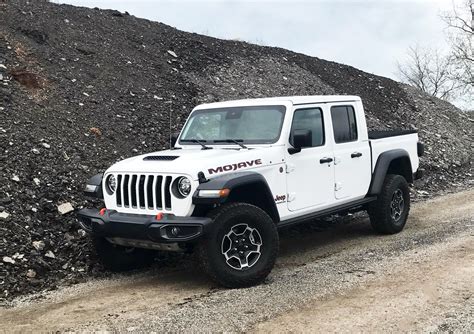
point(310, 172)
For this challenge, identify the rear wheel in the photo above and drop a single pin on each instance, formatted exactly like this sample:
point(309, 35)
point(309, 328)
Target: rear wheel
point(119, 258)
point(242, 246)
point(388, 215)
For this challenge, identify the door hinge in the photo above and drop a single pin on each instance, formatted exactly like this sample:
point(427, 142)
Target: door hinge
point(290, 168)
point(291, 197)
point(337, 186)
point(337, 160)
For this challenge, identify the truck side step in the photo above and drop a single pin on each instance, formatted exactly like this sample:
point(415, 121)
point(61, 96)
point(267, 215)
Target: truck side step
point(314, 215)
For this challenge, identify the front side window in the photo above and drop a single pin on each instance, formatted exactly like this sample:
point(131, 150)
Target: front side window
point(344, 124)
point(309, 119)
point(251, 125)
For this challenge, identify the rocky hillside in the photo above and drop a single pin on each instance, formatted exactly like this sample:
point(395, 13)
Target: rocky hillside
point(82, 88)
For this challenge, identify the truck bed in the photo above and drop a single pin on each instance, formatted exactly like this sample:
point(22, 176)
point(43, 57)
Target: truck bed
point(389, 133)
point(382, 141)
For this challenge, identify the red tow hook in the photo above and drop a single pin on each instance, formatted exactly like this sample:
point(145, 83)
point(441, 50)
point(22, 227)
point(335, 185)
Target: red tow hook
point(159, 216)
point(102, 211)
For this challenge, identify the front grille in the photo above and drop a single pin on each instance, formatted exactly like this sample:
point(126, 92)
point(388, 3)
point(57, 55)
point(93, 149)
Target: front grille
point(160, 157)
point(144, 191)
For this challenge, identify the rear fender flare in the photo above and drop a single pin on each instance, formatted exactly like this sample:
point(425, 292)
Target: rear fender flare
point(381, 167)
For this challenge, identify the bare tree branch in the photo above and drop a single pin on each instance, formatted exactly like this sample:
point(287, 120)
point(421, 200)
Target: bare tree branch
point(428, 71)
point(460, 22)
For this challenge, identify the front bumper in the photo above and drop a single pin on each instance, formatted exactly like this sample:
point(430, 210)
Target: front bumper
point(169, 229)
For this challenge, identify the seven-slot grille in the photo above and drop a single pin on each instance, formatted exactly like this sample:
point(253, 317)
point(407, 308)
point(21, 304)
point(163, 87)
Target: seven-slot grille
point(139, 191)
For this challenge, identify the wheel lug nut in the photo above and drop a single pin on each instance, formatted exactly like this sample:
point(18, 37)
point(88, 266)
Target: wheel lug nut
point(246, 246)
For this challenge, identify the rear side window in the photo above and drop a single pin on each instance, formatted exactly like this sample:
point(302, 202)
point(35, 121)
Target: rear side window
point(309, 119)
point(344, 124)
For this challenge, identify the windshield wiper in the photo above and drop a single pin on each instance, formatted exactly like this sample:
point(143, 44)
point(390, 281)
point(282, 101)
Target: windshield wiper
point(197, 141)
point(235, 141)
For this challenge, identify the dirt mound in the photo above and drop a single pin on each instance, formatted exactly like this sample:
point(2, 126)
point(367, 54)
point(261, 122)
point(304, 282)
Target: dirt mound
point(82, 88)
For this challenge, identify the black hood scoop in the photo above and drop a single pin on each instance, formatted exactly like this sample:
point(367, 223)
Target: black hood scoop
point(161, 157)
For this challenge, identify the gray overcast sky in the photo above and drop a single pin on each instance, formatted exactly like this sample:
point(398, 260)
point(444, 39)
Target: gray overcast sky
point(368, 34)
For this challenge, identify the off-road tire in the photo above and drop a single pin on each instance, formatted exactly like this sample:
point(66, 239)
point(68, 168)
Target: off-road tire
point(380, 212)
point(118, 258)
point(210, 253)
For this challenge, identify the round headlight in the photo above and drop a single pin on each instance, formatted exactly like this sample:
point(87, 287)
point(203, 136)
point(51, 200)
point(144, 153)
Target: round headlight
point(184, 186)
point(111, 183)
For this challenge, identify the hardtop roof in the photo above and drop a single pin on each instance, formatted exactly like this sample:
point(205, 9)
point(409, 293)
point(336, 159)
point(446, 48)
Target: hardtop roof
point(295, 100)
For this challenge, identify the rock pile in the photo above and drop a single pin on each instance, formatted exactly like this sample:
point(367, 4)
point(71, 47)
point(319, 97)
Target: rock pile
point(82, 88)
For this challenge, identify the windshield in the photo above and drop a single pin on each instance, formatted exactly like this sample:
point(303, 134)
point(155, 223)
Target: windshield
point(251, 125)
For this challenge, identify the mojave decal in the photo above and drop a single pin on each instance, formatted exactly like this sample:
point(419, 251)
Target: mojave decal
point(232, 167)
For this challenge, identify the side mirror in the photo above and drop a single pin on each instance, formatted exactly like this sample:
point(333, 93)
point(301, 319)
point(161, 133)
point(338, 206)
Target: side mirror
point(174, 139)
point(301, 139)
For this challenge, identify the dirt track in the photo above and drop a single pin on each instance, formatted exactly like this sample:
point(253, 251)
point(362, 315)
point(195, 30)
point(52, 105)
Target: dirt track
point(344, 279)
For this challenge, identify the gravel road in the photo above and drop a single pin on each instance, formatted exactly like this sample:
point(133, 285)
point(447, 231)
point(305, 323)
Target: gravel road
point(342, 279)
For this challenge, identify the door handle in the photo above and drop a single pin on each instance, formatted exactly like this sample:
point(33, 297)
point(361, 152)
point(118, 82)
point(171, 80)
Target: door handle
point(356, 155)
point(325, 160)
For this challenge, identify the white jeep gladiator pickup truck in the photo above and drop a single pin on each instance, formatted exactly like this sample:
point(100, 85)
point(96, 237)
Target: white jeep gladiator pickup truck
point(239, 171)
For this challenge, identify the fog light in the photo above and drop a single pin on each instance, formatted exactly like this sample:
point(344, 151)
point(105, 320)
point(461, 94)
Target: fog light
point(175, 231)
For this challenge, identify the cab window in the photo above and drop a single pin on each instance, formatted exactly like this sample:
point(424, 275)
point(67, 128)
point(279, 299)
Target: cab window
point(309, 119)
point(344, 124)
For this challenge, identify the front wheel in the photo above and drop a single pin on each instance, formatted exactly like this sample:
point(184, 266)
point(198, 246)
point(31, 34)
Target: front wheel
point(242, 246)
point(389, 213)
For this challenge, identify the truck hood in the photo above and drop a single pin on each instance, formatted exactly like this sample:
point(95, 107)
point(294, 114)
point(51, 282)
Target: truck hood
point(190, 161)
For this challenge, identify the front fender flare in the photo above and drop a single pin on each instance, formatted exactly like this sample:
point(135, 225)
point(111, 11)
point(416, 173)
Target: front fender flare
point(93, 188)
point(233, 181)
